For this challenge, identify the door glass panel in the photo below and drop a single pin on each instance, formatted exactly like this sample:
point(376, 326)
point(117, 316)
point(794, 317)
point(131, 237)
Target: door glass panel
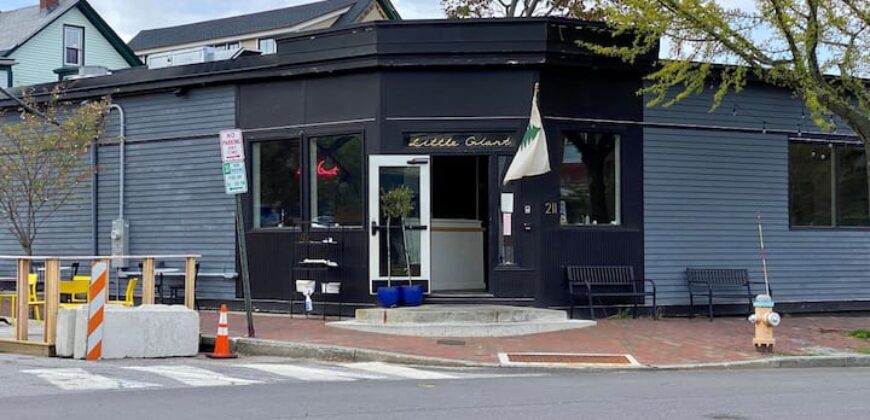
point(389, 178)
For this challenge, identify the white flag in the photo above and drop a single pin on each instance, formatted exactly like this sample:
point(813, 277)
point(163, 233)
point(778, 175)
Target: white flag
point(532, 157)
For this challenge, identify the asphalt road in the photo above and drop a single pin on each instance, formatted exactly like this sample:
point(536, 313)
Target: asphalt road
point(265, 389)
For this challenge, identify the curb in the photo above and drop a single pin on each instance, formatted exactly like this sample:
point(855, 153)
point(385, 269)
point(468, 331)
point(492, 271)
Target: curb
point(839, 361)
point(330, 353)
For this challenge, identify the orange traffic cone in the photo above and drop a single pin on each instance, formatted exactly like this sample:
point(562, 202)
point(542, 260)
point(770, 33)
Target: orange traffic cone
point(222, 341)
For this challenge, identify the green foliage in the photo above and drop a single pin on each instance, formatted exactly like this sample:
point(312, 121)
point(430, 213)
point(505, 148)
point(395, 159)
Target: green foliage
point(621, 313)
point(42, 160)
point(397, 202)
point(818, 49)
point(860, 333)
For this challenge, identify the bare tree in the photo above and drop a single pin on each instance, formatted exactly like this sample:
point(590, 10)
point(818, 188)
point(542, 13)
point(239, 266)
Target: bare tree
point(582, 9)
point(42, 160)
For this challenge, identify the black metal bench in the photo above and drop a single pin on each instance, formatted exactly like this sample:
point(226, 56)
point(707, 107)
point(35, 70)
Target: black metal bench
point(606, 281)
point(719, 283)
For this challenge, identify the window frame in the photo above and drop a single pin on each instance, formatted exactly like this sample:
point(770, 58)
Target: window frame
point(620, 134)
point(305, 197)
point(253, 177)
point(835, 187)
point(81, 50)
point(274, 43)
point(308, 180)
point(225, 46)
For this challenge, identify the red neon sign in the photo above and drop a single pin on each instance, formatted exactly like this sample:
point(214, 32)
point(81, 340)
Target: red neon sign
point(326, 173)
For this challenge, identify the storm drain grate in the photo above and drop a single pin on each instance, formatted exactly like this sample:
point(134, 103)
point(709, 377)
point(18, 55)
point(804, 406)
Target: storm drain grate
point(567, 359)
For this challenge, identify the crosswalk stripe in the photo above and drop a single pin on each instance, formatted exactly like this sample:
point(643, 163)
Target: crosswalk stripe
point(77, 379)
point(305, 373)
point(400, 371)
point(193, 376)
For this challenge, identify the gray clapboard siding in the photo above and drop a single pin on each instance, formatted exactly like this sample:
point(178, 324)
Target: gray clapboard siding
point(175, 200)
point(703, 190)
point(750, 108)
point(174, 194)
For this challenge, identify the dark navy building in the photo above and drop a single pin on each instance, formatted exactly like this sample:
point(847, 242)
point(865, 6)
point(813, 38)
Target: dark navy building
point(338, 116)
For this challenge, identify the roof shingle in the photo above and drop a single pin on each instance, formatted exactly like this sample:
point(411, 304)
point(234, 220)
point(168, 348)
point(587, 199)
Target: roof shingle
point(16, 26)
point(238, 25)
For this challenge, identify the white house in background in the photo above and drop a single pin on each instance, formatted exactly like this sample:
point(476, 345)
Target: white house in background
point(54, 39)
point(226, 38)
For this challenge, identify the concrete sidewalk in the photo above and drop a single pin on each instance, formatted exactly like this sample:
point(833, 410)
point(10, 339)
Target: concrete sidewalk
point(655, 343)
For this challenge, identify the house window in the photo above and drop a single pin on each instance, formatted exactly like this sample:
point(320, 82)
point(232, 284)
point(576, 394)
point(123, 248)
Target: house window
point(73, 45)
point(267, 46)
point(227, 46)
point(589, 179)
point(827, 185)
point(276, 183)
point(337, 180)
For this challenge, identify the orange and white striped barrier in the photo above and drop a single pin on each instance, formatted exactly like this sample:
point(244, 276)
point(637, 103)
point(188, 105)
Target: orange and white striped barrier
point(96, 310)
point(222, 340)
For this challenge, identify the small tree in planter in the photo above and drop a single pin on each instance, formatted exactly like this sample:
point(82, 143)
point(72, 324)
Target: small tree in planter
point(398, 204)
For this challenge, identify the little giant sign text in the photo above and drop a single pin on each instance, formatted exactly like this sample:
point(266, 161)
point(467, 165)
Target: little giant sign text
point(461, 141)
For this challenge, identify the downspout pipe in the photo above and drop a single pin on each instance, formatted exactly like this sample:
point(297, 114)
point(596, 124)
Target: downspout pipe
point(121, 159)
point(95, 246)
point(122, 131)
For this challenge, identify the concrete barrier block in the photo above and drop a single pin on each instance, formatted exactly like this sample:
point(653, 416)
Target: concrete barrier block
point(66, 330)
point(149, 331)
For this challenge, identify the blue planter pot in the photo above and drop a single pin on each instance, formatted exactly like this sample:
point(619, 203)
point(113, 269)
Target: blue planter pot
point(411, 295)
point(388, 297)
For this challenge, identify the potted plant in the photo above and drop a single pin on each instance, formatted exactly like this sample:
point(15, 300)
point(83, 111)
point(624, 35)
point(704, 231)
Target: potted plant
point(398, 204)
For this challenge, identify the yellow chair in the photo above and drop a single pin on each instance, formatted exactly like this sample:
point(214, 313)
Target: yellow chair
point(33, 299)
point(75, 288)
point(128, 295)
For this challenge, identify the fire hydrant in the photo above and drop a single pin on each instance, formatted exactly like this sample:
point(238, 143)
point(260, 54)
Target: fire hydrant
point(765, 319)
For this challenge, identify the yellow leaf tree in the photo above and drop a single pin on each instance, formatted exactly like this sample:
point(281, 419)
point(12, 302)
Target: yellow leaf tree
point(43, 148)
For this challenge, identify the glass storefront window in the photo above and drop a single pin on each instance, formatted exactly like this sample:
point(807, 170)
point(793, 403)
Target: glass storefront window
point(827, 185)
point(276, 183)
point(589, 179)
point(337, 181)
point(392, 177)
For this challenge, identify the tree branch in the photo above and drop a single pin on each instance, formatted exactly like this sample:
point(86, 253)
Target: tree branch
point(863, 14)
point(27, 107)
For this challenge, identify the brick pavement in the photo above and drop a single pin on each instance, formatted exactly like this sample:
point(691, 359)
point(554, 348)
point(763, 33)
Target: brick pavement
point(651, 342)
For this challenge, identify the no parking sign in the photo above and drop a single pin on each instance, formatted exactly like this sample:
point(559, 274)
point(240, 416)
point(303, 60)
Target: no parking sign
point(233, 156)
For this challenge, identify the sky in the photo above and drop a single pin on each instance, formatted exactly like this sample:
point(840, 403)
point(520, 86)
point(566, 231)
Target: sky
point(128, 17)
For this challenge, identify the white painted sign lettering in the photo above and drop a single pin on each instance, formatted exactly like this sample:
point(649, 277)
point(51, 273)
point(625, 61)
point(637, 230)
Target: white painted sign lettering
point(232, 146)
point(235, 178)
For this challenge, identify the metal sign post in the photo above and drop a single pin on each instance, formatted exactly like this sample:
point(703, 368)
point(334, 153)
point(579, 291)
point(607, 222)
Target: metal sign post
point(236, 183)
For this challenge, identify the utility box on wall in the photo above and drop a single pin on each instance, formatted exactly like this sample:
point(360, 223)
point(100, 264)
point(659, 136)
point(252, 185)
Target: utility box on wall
point(120, 241)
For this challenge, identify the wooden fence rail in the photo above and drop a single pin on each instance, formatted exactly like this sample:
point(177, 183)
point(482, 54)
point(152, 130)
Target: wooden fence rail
point(51, 298)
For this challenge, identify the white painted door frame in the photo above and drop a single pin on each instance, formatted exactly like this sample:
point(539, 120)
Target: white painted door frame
point(423, 163)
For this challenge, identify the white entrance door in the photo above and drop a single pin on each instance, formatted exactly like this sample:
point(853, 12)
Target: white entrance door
point(387, 246)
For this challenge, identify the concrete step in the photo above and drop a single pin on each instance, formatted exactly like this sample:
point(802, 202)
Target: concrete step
point(461, 321)
point(457, 313)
